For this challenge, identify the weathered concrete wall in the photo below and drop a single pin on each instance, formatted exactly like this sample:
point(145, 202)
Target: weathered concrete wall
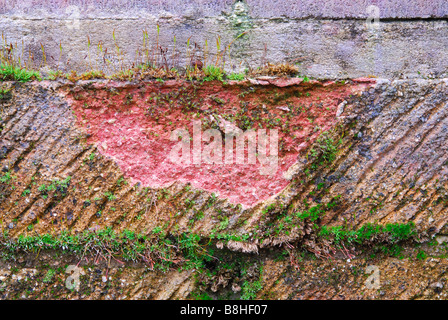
point(258, 8)
point(335, 39)
point(389, 166)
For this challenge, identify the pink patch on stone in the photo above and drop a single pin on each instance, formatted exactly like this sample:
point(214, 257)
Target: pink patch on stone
point(141, 146)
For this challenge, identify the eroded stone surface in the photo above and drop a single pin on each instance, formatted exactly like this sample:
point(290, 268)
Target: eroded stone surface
point(389, 167)
point(135, 125)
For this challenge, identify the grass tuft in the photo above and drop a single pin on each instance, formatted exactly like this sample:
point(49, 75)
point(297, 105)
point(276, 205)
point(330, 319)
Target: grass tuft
point(14, 73)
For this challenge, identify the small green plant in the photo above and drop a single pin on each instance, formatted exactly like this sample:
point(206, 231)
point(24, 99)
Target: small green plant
point(211, 200)
point(391, 233)
point(201, 296)
point(10, 72)
point(218, 100)
point(224, 223)
point(249, 290)
point(269, 208)
point(421, 255)
point(213, 73)
point(120, 181)
point(236, 76)
point(54, 75)
point(110, 196)
point(324, 150)
point(49, 275)
point(157, 230)
point(6, 178)
point(5, 93)
point(394, 250)
point(312, 213)
point(60, 186)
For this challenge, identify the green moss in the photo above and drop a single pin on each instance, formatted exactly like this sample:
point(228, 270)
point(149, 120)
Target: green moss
point(213, 73)
point(224, 223)
point(14, 73)
point(393, 250)
point(59, 187)
point(421, 255)
point(201, 296)
point(6, 177)
point(312, 214)
point(324, 150)
point(249, 289)
point(5, 94)
point(183, 249)
point(49, 275)
point(110, 196)
point(391, 233)
point(236, 76)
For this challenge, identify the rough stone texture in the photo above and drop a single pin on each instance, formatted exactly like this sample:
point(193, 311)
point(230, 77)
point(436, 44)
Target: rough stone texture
point(258, 8)
point(399, 279)
point(39, 144)
point(405, 278)
point(332, 40)
point(390, 167)
point(134, 125)
point(394, 168)
point(98, 281)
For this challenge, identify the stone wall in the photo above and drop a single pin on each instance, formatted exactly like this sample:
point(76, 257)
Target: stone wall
point(389, 168)
point(335, 39)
